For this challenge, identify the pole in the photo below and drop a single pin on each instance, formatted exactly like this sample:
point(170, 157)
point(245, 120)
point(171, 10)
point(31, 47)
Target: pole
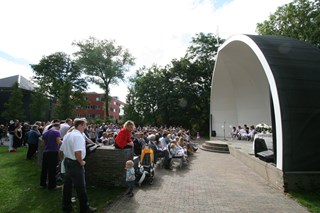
point(224, 131)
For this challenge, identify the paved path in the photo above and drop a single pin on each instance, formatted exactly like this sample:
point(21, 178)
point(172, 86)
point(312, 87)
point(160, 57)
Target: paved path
point(212, 182)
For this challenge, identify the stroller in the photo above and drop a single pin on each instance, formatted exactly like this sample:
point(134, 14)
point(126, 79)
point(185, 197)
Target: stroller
point(146, 166)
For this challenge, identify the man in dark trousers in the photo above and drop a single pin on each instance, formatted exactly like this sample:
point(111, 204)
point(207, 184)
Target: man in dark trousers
point(74, 151)
point(33, 139)
point(50, 157)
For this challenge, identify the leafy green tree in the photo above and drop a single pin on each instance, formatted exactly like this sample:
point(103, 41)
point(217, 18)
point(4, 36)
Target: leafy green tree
point(104, 62)
point(13, 108)
point(178, 94)
point(59, 78)
point(299, 19)
point(193, 76)
point(39, 106)
point(131, 111)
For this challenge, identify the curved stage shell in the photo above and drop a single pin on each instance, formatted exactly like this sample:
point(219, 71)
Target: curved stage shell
point(273, 80)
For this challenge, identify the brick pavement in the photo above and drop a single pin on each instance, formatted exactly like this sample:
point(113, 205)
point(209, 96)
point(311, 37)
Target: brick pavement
point(213, 182)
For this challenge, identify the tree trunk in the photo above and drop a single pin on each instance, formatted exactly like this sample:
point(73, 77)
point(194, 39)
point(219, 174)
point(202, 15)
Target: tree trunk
point(107, 104)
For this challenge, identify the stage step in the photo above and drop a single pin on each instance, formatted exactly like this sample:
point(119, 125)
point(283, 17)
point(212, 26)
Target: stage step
point(215, 146)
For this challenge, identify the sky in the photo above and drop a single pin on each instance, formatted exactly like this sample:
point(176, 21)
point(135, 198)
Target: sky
point(153, 31)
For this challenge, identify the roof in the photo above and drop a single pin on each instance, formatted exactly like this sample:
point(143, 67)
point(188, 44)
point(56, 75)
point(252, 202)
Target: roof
point(22, 81)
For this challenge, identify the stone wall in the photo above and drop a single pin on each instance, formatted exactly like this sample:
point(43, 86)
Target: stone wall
point(105, 166)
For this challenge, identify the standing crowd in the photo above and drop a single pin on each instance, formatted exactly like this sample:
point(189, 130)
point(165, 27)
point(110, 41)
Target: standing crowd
point(63, 145)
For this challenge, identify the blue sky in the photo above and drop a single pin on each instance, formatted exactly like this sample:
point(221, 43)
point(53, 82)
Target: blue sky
point(155, 32)
point(219, 3)
point(19, 61)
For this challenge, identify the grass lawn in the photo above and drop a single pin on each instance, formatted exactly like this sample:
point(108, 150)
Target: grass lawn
point(20, 190)
point(311, 200)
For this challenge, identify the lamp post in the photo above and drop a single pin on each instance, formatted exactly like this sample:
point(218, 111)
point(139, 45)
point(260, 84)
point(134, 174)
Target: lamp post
point(224, 130)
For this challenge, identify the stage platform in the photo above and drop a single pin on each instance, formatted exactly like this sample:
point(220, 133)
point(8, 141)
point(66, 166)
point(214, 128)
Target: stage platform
point(243, 151)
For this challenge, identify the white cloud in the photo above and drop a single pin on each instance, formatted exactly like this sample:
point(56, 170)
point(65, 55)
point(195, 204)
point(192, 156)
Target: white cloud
point(155, 32)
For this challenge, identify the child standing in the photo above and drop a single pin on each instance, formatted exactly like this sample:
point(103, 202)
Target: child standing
point(130, 177)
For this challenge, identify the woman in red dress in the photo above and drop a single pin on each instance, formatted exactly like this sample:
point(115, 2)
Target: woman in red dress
point(123, 139)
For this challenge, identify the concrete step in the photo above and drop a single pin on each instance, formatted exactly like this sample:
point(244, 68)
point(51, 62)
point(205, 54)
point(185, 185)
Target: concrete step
point(215, 150)
point(215, 146)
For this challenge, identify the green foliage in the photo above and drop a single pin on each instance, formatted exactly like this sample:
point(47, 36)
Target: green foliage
point(131, 111)
point(13, 109)
point(309, 199)
point(178, 94)
point(104, 62)
point(20, 190)
point(59, 78)
point(299, 19)
point(39, 106)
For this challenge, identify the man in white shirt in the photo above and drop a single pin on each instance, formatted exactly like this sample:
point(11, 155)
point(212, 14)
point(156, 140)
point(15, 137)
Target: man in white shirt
point(64, 127)
point(74, 151)
point(163, 141)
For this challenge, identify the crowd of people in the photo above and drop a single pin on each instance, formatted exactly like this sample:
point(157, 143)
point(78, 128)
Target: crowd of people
point(243, 133)
point(63, 142)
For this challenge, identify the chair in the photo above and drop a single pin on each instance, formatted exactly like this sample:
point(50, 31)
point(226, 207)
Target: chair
point(178, 159)
point(259, 146)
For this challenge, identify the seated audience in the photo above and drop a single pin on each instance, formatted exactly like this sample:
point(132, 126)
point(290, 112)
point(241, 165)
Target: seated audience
point(234, 132)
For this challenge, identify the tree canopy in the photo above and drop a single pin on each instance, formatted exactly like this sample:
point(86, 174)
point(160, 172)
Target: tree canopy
point(299, 19)
point(178, 94)
point(39, 106)
point(59, 78)
point(104, 62)
point(13, 108)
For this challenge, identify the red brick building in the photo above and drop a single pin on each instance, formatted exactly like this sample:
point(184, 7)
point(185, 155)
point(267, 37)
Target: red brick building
point(96, 107)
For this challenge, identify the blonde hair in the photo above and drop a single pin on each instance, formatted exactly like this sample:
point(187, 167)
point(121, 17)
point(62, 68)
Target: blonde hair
point(129, 164)
point(129, 123)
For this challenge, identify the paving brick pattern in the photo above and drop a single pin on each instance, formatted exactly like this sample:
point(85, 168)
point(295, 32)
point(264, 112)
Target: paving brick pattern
point(213, 182)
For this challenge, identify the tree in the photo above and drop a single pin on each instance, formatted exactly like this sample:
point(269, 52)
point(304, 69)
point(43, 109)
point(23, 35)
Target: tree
point(195, 74)
point(59, 78)
point(299, 19)
point(179, 94)
point(149, 89)
point(131, 112)
point(104, 62)
point(13, 108)
point(39, 106)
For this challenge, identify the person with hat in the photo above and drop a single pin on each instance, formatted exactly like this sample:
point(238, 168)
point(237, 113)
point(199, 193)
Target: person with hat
point(50, 158)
